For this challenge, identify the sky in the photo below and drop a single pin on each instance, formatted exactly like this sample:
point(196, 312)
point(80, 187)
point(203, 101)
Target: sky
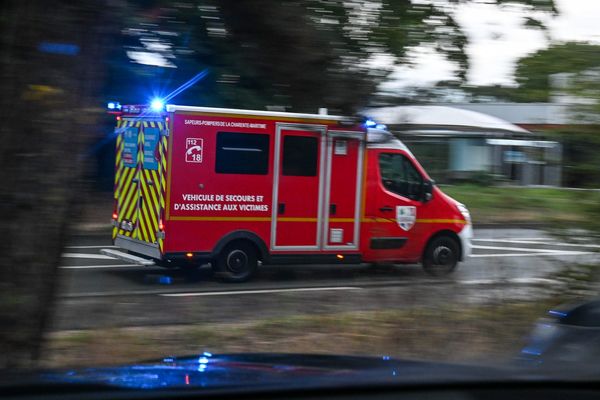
point(498, 40)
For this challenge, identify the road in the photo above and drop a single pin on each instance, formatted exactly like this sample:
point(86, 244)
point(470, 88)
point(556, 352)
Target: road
point(98, 291)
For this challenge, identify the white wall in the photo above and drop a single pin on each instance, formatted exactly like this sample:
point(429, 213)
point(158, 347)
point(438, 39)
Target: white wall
point(469, 155)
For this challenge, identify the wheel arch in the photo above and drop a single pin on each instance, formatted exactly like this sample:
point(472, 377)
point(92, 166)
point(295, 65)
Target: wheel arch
point(444, 232)
point(263, 252)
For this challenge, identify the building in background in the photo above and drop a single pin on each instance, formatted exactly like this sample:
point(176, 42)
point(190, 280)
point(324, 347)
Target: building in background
point(480, 140)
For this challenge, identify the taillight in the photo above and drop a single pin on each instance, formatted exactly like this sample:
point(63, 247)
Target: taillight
point(115, 214)
point(161, 225)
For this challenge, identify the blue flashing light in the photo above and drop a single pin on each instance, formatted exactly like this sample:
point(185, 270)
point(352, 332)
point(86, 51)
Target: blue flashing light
point(386, 358)
point(207, 354)
point(113, 105)
point(380, 126)
point(157, 105)
point(369, 123)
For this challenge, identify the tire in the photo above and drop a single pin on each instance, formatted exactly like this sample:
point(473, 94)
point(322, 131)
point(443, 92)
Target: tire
point(237, 262)
point(441, 256)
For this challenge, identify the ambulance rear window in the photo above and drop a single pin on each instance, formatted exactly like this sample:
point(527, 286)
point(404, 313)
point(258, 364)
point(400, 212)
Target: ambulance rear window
point(242, 153)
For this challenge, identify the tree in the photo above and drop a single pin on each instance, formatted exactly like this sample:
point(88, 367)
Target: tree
point(48, 73)
point(533, 72)
point(301, 54)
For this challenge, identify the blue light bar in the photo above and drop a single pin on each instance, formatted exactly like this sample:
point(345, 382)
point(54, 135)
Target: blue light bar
point(369, 123)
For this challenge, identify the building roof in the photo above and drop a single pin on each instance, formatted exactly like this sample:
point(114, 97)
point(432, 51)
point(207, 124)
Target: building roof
point(522, 113)
point(440, 118)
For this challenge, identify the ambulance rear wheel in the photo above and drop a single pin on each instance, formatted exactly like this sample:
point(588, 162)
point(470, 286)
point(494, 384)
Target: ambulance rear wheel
point(441, 256)
point(237, 262)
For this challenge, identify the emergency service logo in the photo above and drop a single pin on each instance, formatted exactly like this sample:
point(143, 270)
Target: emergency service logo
point(193, 150)
point(406, 216)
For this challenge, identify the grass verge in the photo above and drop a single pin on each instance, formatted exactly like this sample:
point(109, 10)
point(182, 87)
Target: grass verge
point(551, 206)
point(460, 334)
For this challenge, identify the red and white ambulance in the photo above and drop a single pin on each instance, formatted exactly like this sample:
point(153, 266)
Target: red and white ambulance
point(238, 188)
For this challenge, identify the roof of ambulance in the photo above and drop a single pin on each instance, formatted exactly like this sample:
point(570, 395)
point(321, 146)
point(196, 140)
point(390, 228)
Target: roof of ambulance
point(235, 111)
point(376, 138)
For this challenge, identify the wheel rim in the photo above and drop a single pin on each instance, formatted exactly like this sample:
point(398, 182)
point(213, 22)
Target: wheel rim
point(443, 256)
point(237, 261)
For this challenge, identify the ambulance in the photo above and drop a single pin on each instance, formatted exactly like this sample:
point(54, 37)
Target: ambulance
point(237, 189)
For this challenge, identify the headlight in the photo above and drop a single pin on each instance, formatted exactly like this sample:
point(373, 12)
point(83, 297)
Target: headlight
point(464, 211)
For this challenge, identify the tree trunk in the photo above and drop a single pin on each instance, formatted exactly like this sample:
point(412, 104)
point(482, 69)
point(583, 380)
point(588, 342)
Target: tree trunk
point(50, 60)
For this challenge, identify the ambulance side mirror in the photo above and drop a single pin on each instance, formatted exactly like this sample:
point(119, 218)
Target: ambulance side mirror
point(427, 190)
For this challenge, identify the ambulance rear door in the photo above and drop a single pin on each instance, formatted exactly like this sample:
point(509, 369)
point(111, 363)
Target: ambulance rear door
point(140, 183)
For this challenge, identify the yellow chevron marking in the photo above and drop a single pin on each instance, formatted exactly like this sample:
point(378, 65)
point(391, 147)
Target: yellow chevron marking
point(149, 208)
point(126, 177)
point(142, 224)
point(125, 195)
point(128, 203)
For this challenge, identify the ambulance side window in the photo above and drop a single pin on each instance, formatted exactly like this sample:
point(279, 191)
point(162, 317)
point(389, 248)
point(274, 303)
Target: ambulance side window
point(399, 175)
point(300, 156)
point(242, 153)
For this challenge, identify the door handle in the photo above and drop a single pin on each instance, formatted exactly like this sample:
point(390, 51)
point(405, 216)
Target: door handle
point(281, 208)
point(332, 209)
point(386, 209)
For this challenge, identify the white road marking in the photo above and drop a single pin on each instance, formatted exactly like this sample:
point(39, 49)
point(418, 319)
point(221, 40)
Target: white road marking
point(538, 242)
point(108, 266)
point(86, 255)
point(524, 281)
point(534, 280)
point(533, 239)
point(260, 291)
point(554, 253)
point(89, 247)
point(529, 249)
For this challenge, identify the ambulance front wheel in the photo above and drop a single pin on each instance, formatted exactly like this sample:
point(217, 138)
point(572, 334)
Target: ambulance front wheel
point(441, 256)
point(237, 262)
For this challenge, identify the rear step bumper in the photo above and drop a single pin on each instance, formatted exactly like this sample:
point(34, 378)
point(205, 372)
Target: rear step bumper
point(126, 257)
point(135, 246)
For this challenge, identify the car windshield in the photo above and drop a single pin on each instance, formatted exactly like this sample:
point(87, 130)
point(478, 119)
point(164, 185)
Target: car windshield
point(186, 181)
